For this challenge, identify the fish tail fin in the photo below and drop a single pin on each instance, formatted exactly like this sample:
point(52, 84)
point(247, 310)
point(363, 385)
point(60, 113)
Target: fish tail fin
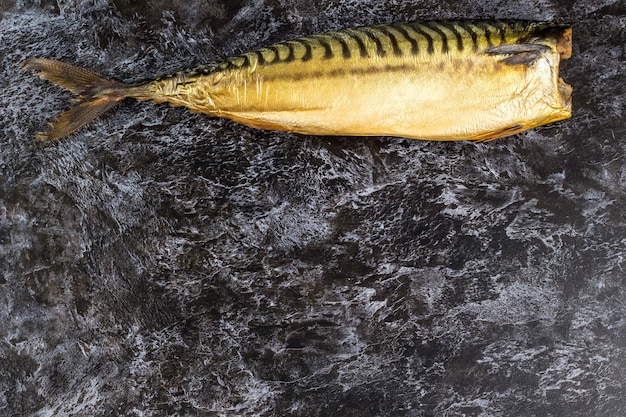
point(95, 94)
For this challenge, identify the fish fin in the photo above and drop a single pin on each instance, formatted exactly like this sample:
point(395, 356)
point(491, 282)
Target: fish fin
point(96, 94)
point(519, 53)
point(70, 77)
point(507, 131)
point(73, 119)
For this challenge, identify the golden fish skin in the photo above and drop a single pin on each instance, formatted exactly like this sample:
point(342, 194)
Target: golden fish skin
point(438, 80)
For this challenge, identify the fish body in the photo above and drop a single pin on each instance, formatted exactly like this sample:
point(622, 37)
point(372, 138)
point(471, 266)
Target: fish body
point(439, 80)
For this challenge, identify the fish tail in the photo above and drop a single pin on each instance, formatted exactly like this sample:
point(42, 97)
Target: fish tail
point(95, 94)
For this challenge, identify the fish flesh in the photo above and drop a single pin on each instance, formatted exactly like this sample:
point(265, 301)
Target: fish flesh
point(437, 80)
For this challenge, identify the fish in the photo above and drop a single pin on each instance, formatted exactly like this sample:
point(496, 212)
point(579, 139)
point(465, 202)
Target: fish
point(473, 80)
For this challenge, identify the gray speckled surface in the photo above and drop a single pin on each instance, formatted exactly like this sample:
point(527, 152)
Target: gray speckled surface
point(165, 263)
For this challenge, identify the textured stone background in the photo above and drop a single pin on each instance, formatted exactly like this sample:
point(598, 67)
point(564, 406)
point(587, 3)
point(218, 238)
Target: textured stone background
point(162, 263)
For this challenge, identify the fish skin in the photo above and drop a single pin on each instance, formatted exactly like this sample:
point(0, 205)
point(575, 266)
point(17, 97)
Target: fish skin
point(439, 80)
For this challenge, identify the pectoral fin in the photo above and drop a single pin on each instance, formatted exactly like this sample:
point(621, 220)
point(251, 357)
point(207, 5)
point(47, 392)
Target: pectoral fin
point(519, 53)
point(507, 131)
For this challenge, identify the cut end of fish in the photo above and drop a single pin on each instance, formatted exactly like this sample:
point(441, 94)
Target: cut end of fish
point(564, 48)
point(566, 94)
point(564, 43)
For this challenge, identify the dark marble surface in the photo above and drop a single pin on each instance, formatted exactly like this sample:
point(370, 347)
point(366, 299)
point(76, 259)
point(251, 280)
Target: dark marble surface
point(162, 263)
